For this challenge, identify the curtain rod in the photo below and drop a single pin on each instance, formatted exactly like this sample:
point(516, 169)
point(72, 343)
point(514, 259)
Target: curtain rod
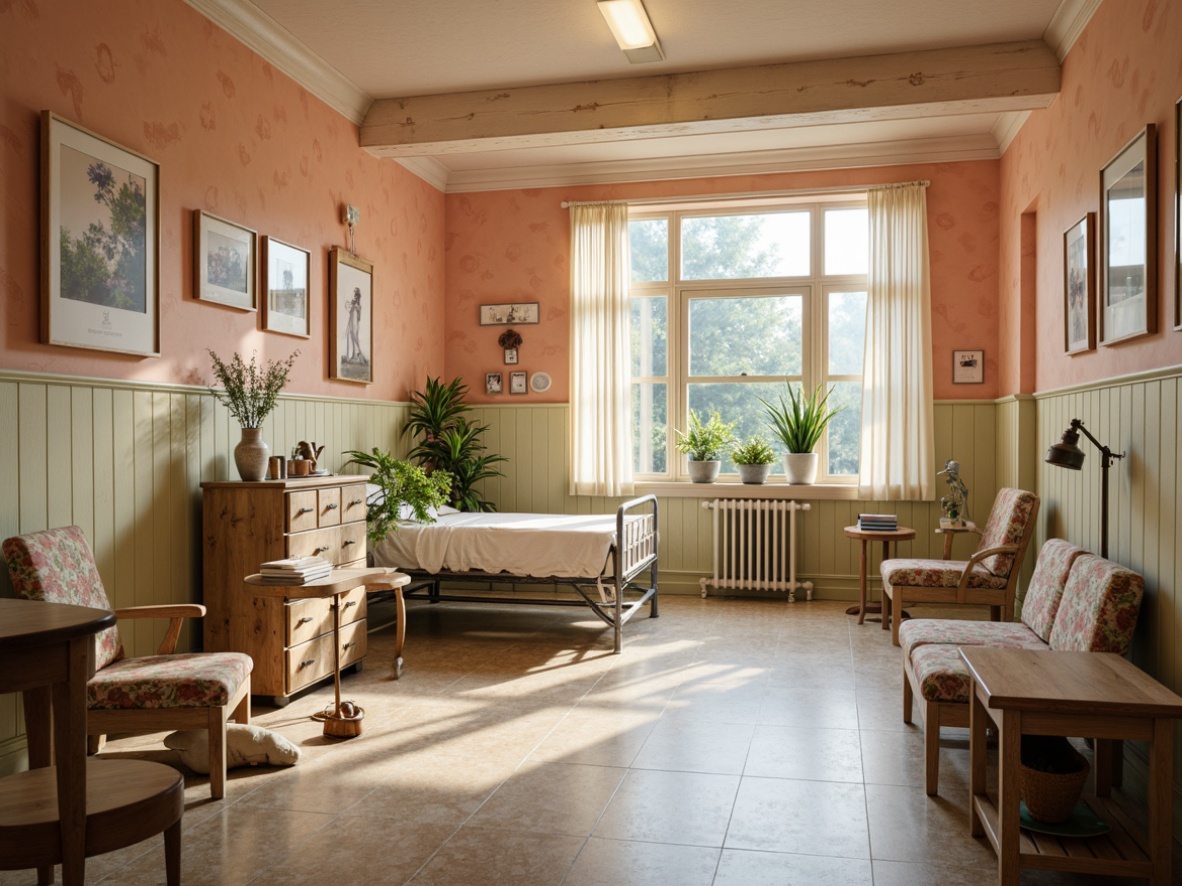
point(761, 195)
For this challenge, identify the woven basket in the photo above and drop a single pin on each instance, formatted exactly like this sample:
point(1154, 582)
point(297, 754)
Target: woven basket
point(1051, 796)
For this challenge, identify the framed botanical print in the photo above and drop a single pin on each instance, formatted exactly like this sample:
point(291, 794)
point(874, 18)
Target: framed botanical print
point(100, 235)
point(224, 262)
point(1128, 241)
point(1079, 287)
point(350, 317)
point(286, 304)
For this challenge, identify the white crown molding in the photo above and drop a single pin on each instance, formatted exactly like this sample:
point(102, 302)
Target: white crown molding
point(893, 153)
point(1067, 24)
point(247, 23)
point(429, 169)
point(1005, 130)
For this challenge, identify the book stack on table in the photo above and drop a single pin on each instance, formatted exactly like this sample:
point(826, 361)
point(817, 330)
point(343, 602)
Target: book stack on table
point(878, 522)
point(295, 570)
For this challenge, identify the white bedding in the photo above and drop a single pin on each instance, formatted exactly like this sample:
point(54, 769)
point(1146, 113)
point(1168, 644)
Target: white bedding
point(534, 545)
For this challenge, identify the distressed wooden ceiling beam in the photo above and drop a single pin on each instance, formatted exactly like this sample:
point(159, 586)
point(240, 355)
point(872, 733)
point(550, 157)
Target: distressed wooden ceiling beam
point(965, 80)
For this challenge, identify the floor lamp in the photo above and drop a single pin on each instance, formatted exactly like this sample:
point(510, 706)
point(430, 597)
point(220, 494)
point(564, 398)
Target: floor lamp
point(1067, 454)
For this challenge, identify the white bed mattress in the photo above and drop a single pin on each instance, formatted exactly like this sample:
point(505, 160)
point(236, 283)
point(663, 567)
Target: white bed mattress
point(535, 545)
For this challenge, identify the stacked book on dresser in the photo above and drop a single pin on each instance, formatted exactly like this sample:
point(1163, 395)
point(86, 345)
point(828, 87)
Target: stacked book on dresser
point(295, 570)
point(878, 522)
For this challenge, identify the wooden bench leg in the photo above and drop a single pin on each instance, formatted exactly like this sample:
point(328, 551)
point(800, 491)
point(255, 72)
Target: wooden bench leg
point(931, 747)
point(217, 752)
point(907, 698)
point(896, 615)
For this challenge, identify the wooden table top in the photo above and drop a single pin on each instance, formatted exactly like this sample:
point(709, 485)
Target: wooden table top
point(1068, 683)
point(340, 580)
point(903, 533)
point(32, 623)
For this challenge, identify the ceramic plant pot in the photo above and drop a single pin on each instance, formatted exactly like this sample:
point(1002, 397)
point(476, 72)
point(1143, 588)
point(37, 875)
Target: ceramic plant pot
point(251, 455)
point(754, 474)
point(801, 467)
point(704, 471)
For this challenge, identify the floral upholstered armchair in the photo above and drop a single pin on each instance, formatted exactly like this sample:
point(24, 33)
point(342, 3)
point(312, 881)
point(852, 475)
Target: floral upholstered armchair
point(196, 690)
point(989, 577)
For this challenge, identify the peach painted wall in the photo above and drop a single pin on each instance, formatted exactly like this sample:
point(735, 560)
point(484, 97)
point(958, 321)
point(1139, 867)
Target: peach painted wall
point(1124, 71)
point(235, 137)
point(504, 246)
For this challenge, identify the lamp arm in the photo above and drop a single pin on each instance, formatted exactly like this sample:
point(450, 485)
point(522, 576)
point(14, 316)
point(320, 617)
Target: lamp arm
point(1108, 454)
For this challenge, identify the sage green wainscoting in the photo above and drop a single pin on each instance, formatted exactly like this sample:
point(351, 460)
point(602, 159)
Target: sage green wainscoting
point(124, 461)
point(1141, 416)
point(536, 440)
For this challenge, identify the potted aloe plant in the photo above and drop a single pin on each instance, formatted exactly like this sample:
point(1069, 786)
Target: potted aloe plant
point(799, 422)
point(754, 459)
point(704, 444)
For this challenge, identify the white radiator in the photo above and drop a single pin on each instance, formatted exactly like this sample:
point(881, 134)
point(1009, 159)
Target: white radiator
point(755, 546)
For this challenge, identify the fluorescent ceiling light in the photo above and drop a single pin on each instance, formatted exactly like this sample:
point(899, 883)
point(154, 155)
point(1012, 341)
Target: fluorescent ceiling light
point(633, 31)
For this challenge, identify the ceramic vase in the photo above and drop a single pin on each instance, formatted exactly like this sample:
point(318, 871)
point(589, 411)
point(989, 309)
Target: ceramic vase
point(801, 467)
point(754, 474)
point(251, 455)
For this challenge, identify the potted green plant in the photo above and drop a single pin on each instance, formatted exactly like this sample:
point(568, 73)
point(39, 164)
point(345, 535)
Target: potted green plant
point(1051, 777)
point(400, 483)
point(754, 459)
point(448, 441)
point(704, 444)
point(251, 393)
point(799, 422)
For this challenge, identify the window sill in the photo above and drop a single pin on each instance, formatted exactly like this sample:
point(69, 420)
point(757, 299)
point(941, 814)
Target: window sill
point(734, 489)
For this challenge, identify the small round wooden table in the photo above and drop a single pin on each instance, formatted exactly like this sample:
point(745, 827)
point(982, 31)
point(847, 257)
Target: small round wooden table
point(865, 536)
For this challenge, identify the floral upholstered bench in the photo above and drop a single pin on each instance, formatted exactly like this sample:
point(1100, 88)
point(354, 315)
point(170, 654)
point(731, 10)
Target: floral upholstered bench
point(1076, 601)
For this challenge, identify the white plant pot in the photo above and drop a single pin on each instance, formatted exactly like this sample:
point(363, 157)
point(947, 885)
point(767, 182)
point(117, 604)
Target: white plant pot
point(800, 467)
point(754, 474)
point(704, 471)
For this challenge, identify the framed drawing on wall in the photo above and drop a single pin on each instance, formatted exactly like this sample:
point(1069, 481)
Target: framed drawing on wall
point(100, 242)
point(517, 312)
point(224, 262)
point(286, 271)
point(1079, 288)
point(350, 317)
point(968, 367)
point(1128, 241)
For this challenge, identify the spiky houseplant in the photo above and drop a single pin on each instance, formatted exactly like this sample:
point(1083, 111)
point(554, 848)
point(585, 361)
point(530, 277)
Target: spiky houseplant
point(448, 441)
point(799, 422)
point(400, 483)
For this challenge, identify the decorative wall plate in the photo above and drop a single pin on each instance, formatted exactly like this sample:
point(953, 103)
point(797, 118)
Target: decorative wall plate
point(540, 382)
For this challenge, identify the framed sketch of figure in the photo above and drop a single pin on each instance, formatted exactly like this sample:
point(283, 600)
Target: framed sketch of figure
point(350, 316)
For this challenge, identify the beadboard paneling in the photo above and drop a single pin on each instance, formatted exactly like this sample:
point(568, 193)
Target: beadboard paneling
point(124, 461)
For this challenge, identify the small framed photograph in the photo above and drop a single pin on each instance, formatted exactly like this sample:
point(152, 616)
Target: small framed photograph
point(492, 383)
point(286, 271)
point(968, 367)
point(224, 262)
point(1079, 287)
point(350, 317)
point(517, 383)
point(510, 356)
point(1128, 241)
point(501, 315)
point(100, 235)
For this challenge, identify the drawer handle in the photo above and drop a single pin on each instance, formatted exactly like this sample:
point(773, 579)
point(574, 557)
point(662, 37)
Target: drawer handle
point(316, 551)
point(331, 507)
point(349, 645)
point(304, 620)
point(357, 501)
point(347, 605)
point(302, 511)
point(349, 541)
point(307, 663)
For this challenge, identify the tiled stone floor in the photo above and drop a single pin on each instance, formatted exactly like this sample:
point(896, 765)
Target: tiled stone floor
point(734, 742)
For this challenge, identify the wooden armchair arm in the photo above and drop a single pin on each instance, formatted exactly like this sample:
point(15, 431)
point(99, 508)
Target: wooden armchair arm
point(175, 612)
point(977, 558)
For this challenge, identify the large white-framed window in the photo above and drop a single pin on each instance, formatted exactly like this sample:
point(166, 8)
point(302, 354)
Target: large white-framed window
point(730, 303)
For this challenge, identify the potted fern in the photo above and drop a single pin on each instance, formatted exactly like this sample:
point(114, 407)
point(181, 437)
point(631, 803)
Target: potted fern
point(799, 422)
point(754, 459)
point(704, 444)
point(400, 483)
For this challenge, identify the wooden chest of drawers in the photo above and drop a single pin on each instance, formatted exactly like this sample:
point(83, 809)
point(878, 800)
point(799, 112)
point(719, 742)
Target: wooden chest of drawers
point(246, 524)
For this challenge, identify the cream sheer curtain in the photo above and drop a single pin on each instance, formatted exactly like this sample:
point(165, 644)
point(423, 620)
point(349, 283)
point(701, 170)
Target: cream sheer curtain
point(897, 441)
point(600, 391)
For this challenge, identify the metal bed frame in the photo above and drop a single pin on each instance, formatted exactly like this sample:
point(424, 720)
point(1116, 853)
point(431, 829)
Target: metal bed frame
point(634, 552)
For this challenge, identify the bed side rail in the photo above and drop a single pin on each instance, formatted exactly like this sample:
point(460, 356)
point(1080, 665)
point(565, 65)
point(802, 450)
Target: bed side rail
point(636, 539)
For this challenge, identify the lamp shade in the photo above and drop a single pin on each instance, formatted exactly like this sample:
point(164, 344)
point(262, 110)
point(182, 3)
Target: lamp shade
point(1066, 453)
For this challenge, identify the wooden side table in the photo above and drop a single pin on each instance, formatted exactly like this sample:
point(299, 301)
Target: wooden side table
point(865, 536)
point(339, 582)
point(950, 533)
point(77, 808)
point(1097, 695)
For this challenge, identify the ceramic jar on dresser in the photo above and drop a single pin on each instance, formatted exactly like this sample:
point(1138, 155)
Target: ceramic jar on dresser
point(247, 524)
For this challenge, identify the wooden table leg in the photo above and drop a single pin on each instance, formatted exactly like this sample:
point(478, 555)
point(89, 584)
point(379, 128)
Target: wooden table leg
point(69, 731)
point(861, 609)
point(172, 854)
point(399, 631)
point(977, 758)
point(1009, 725)
point(1161, 781)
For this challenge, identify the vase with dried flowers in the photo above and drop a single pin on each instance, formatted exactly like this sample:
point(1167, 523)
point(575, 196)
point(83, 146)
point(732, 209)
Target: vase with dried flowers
point(250, 392)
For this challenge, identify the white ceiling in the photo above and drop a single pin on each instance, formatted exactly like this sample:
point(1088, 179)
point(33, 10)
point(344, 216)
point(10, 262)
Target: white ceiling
point(351, 53)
